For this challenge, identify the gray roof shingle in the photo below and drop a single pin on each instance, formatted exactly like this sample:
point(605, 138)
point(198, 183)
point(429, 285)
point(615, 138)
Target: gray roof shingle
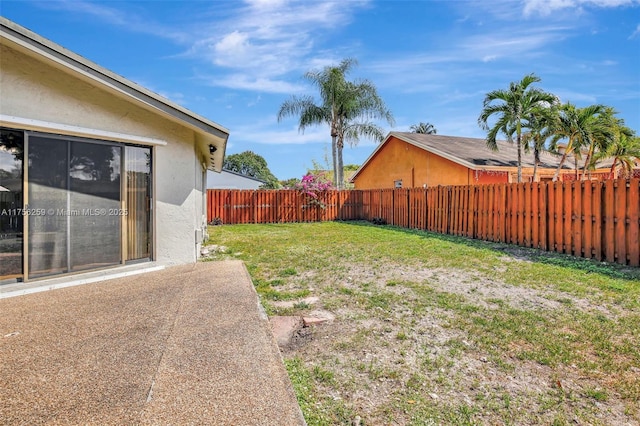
point(474, 153)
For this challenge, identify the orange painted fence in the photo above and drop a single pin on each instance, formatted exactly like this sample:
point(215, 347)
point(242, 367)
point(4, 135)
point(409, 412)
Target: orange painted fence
point(592, 219)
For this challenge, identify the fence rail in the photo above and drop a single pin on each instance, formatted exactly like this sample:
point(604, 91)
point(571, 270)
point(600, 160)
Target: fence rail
point(591, 219)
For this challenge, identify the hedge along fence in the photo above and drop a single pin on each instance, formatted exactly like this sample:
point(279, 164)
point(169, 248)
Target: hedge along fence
point(592, 219)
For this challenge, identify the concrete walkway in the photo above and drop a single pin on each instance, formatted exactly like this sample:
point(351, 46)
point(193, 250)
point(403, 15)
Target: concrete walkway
point(185, 345)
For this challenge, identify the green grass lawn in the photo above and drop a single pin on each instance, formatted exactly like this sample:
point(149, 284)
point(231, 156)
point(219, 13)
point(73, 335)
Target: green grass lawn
point(434, 329)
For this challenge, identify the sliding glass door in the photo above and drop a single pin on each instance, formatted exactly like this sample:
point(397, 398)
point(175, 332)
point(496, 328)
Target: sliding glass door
point(87, 204)
point(94, 204)
point(48, 200)
point(74, 203)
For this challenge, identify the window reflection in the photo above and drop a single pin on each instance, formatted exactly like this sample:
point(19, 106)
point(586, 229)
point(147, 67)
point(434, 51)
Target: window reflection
point(138, 167)
point(77, 184)
point(94, 190)
point(11, 203)
point(48, 193)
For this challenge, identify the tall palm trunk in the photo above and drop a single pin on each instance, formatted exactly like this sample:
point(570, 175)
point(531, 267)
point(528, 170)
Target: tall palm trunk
point(536, 162)
point(334, 157)
point(519, 142)
point(562, 160)
point(586, 163)
point(334, 149)
point(613, 168)
point(340, 165)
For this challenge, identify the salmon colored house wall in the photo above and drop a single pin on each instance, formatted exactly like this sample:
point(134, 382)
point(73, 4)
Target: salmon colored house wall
point(416, 167)
point(398, 160)
point(480, 177)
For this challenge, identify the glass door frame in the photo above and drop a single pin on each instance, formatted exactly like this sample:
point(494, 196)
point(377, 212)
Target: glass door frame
point(122, 202)
point(151, 208)
point(15, 213)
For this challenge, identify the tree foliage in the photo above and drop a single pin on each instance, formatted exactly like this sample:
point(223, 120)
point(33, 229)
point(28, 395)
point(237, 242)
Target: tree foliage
point(583, 129)
point(289, 183)
point(348, 107)
point(540, 129)
point(624, 149)
point(423, 128)
point(514, 109)
point(248, 163)
point(536, 121)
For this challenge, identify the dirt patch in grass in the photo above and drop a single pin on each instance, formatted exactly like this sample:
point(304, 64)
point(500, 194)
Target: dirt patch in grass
point(398, 356)
point(418, 341)
point(483, 290)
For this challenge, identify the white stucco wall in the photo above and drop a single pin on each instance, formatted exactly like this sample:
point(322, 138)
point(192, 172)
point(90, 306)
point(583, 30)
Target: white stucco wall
point(30, 88)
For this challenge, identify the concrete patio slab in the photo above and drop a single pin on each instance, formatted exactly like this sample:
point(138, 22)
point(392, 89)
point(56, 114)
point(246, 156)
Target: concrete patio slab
point(185, 345)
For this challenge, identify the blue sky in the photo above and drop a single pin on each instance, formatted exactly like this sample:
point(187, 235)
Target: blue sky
point(433, 61)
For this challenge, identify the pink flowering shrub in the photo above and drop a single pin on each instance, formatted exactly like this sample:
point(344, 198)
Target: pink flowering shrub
point(312, 185)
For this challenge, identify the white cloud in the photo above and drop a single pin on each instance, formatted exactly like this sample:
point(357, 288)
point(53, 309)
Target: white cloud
point(636, 33)
point(510, 42)
point(118, 17)
point(434, 70)
point(266, 3)
point(257, 41)
point(231, 46)
point(546, 7)
point(279, 136)
point(255, 101)
point(575, 97)
point(265, 40)
point(246, 81)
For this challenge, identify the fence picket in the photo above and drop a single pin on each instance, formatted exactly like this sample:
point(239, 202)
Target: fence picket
point(576, 218)
point(633, 207)
point(609, 226)
point(620, 220)
point(597, 220)
point(543, 242)
point(589, 219)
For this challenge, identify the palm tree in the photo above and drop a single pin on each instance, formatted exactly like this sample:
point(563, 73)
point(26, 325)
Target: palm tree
point(362, 103)
point(603, 130)
point(625, 151)
point(345, 106)
point(540, 129)
point(514, 108)
point(581, 128)
point(423, 128)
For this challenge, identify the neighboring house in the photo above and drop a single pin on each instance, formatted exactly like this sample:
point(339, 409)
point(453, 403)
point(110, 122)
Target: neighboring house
point(232, 180)
point(96, 171)
point(413, 160)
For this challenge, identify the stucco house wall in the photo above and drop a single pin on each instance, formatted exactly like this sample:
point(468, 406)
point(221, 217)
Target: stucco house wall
point(31, 88)
point(398, 160)
point(40, 93)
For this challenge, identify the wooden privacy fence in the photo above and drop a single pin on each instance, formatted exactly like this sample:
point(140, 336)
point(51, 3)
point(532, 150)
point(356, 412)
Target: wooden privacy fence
point(281, 206)
point(583, 218)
